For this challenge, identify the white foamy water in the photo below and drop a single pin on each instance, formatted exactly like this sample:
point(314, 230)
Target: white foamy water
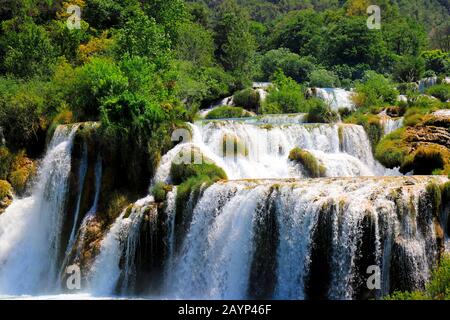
point(337, 98)
point(30, 228)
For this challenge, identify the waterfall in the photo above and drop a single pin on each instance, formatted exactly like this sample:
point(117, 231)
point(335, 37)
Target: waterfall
point(344, 150)
point(390, 124)
point(122, 238)
point(337, 98)
point(336, 224)
point(30, 228)
point(81, 177)
point(426, 83)
point(98, 184)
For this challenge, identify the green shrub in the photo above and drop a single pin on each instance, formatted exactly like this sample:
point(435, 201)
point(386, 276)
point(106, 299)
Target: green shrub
point(285, 97)
point(247, 98)
point(440, 91)
point(292, 65)
point(375, 89)
point(310, 164)
point(160, 191)
point(319, 112)
point(228, 112)
point(323, 79)
point(438, 288)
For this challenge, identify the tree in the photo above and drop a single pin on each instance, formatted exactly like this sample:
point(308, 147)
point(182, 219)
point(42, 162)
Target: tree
point(142, 36)
point(292, 65)
point(409, 69)
point(405, 37)
point(195, 44)
point(28, 51)
point(235, 44)
point(301, 32)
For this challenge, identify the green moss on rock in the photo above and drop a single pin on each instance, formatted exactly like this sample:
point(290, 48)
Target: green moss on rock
point(310, 164)
point(228, 112)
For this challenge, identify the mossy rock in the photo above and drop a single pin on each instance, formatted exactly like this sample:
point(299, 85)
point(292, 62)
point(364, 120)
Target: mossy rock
point(392, 149)
point(6, 196)
point(23, 170)
point(182, 172)
point(160, 191)
point(427, 159)
point(228, 112)
point(310, 164)
point(6, 159)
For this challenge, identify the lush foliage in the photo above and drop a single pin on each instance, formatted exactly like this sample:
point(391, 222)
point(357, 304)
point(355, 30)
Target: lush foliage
point(437, 289)
point(227, 112)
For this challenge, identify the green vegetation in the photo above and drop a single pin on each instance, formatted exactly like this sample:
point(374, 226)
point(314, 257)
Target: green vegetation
point(182, 172)
point(440, 91)
point(428, 158)
point(438, 287)
point(319, 112)
point(247, 98)
point(310, 164)
point(391, 151)
point(228, 112)
point(285, 97)
point(5, 189)
point(160, 191)
point(142, 68)
point(374, 90)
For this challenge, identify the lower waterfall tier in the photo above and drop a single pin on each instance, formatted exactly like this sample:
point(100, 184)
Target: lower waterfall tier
point(286, 239)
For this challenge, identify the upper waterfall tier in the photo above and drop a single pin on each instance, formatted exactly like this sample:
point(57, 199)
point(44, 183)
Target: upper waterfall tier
point(337, 98)
point(344, 150)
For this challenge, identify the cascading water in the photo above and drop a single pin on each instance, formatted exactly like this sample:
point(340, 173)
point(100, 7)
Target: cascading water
point(344, 150)
point(281, 236)
point(337, 98)
point(106, 271)
point(332, 225)
point(30, 228)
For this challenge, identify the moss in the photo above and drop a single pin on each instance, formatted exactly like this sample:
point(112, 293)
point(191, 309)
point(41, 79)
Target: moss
point(445, 189)
point(434, 191)
point(182, 172)
point(23, 170)
point(116, 204)
point(128, 211)
point(427, 159)
point(160, 191)
point(310, 164)
point(371, 124)
point(5, 195)
point(5, 189)
point(5, 162)
point(228, 112)
point(238, 147)
point(391, 151)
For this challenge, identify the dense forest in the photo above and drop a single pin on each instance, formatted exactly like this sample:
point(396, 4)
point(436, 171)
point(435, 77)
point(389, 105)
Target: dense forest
point(142, 68)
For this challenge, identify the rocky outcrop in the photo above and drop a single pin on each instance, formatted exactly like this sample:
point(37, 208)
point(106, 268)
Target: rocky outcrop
point(6, 196)
point(428, 134)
